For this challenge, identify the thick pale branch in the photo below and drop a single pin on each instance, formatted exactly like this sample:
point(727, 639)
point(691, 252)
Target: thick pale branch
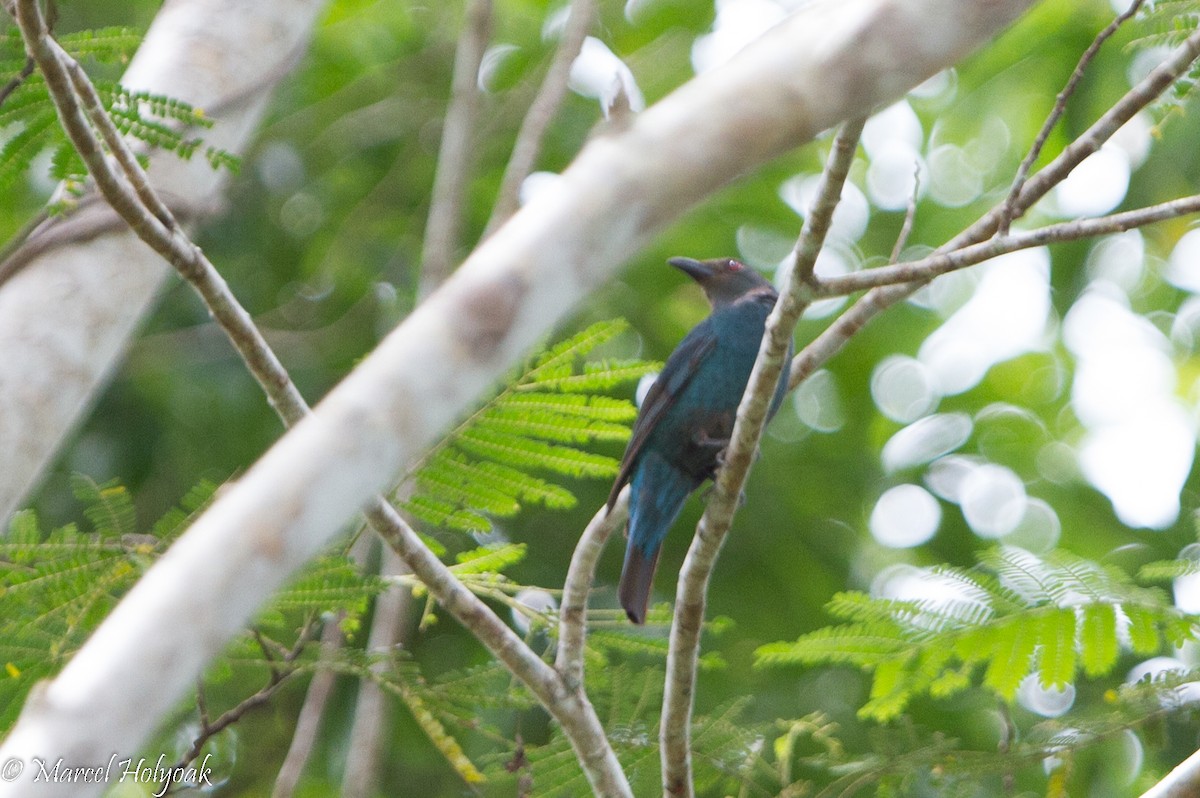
point(827, 63)
point(1182, 782)
point(63, 77)
point(68, 311)
point(690, 597)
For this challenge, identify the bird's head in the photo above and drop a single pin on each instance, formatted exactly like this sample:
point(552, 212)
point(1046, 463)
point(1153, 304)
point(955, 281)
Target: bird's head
point(724, 280)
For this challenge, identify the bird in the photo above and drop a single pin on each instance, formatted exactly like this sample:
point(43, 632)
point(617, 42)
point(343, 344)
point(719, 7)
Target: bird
point(687, 416)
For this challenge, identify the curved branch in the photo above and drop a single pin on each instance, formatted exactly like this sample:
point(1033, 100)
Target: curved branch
point(572, 625)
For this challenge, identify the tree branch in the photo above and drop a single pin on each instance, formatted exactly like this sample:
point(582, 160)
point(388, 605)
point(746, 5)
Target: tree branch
point(1182, 782)
point(444, 227)
point(875, 301)
point(308, 723)
point(927, 268)
point(569, 707)
point(801, 77)
point(67, 315)
point(63, 78)
point(690, 596)
point(541, 113)
point(1060, 107)
point(572, 615)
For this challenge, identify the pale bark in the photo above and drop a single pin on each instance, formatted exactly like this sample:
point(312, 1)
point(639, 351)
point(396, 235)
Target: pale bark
point(834, 61)
point(67, 315)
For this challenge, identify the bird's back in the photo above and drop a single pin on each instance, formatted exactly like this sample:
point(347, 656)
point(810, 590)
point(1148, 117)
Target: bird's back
point(706, 407)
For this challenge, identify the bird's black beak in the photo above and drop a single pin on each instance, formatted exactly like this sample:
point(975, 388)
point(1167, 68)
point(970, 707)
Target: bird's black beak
point(693, 268)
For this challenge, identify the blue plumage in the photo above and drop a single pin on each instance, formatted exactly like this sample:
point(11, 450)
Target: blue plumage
point(687, 417)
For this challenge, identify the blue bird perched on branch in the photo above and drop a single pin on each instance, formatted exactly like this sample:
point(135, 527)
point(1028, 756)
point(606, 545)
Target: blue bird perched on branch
point(687, 417)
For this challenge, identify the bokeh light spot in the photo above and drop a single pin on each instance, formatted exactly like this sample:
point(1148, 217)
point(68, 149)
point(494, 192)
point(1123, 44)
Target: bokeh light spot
point(905, 516)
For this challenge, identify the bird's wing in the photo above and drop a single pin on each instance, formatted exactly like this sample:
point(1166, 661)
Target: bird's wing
point(680, 368)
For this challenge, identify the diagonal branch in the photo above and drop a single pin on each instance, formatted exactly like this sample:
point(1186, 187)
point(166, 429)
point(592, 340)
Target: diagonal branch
point(875, 301)
point(129, 193)
point(541, 113)
point(801, 77)
point(939, 263)
point(683, 655)
point(572, 624)
point(444, 228)
point(1060, 107)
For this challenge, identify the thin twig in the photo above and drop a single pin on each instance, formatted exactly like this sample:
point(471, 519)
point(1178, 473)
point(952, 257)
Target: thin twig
point(820, 216)
point(541, 113)
point(444, 226)
point(572, 623)
point(15, 82)
point(1060, 107)
point(939, 263)
point(875, 301)
point(571, 709)
point(281, 671)
point(910, 216)
point(690, 597)
point(368, 732)
point(308, 722)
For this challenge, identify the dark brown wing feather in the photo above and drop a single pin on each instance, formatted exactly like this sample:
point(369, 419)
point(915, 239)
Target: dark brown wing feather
point(681, 366)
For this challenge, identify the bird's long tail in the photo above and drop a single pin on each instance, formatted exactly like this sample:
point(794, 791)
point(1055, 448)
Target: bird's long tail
point(657, 493)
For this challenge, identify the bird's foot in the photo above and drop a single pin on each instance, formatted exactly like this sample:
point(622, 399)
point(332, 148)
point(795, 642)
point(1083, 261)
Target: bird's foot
point(711, 447)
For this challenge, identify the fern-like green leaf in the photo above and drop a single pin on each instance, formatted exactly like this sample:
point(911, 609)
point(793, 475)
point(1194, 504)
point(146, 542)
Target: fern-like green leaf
point(520, 451)
point(1166, 570)
point(445, 514)
point(1143, 630)
point(542, 422)
point(1053, 615)
point(19, 151)
point(489, 559)
point(590, 406)
point(1056, 662)
point(866, 645)
point(1098, 638)
point(1012, 650)
point(114, 45)
point(107, 506)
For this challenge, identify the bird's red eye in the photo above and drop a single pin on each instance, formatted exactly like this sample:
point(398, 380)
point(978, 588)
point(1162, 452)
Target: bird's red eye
point(734, 266)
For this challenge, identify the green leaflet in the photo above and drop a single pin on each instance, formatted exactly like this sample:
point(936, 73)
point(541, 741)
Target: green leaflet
point(159, 121)
point(1057, 616)
point(505, 456)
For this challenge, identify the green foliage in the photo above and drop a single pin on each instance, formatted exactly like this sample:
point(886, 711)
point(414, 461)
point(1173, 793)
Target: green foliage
point(1055, 616)
point(488, 467)
point(157, 121)
point(56, 586)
